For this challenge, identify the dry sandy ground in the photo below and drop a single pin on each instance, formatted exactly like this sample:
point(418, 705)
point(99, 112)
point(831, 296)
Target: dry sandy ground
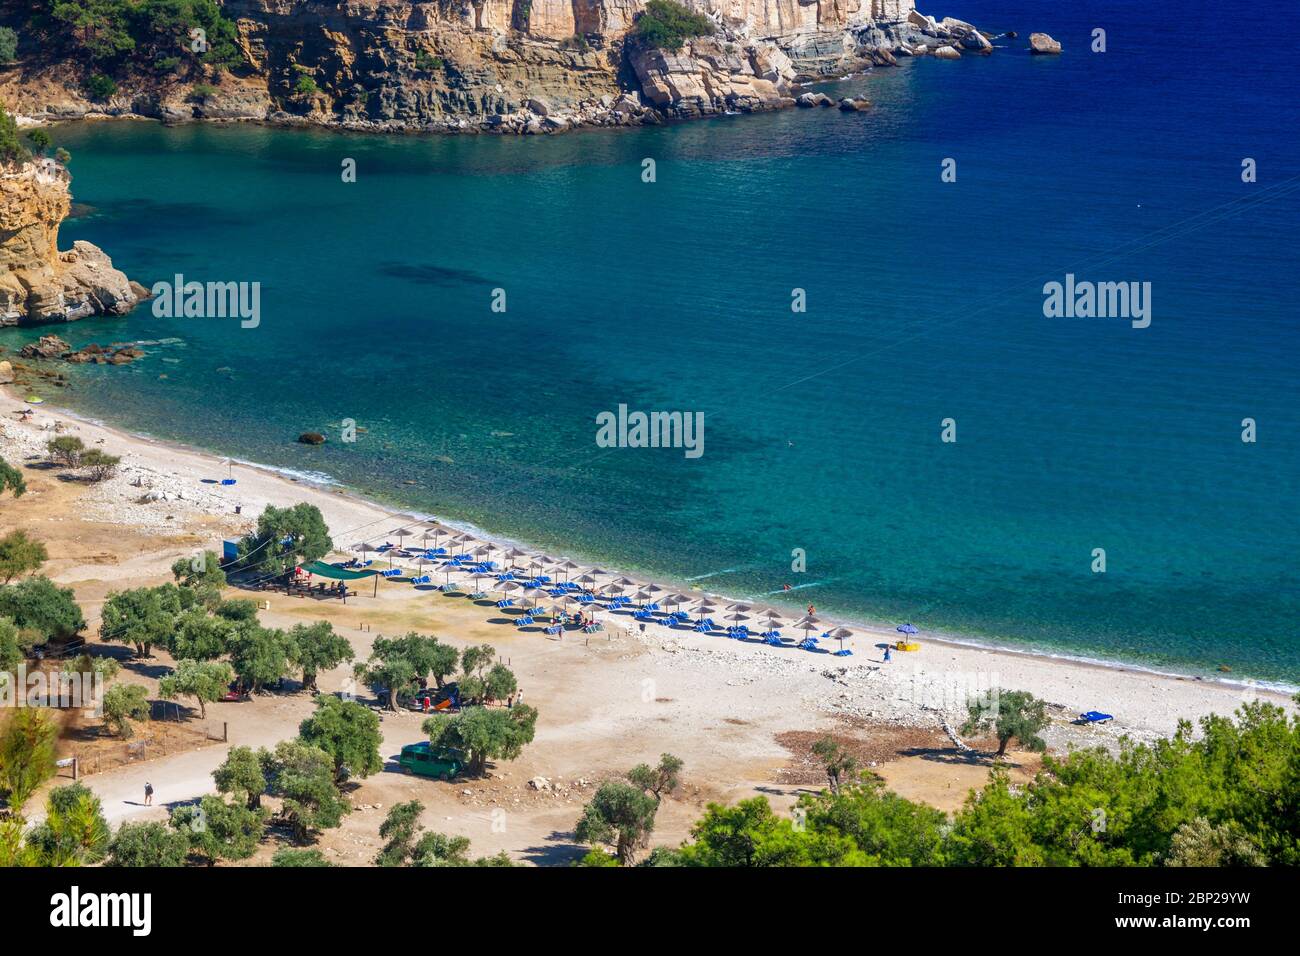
point(732, 711)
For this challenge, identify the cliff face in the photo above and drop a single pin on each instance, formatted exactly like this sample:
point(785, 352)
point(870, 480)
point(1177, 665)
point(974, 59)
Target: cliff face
point(515, 65)
point(37, 282)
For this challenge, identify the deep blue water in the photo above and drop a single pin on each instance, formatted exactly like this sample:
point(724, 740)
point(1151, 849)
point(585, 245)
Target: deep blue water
point(822, 428)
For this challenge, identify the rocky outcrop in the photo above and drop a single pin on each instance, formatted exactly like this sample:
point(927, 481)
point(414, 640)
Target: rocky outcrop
point(488, 65)
point(711, 76)
point(37, 282)
point(1043, 45)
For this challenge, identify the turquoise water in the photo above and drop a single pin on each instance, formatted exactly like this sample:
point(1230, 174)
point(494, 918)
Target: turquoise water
point(822, 428)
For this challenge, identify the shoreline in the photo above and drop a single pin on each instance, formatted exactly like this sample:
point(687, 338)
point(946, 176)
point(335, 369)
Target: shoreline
point(328, 487)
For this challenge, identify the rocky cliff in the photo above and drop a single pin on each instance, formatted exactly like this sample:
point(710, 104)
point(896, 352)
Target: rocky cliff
point(37, 282)
point(528, 66)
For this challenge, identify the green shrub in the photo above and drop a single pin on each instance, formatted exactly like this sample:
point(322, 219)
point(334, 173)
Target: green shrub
point(12, 150)
point(40, 141)
point(200, 92)
point(427, 62)
point(667, 25)
point(8, 45)
point(305, 86)
point(100, 87)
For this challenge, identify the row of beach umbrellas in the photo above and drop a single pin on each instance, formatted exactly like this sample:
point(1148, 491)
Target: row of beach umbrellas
point(434, 535)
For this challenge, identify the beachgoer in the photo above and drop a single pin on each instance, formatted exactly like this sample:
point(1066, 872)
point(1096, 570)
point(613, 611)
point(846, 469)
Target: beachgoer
point(148, 794)
point(887, 652)
point(811, 610)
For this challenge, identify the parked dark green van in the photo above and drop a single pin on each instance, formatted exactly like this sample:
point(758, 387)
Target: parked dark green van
point(423, 761)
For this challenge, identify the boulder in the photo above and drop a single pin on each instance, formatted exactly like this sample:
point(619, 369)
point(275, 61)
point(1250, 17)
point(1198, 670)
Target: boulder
point(1040, 44)
point(947, 53)
point(539, 783)
point(857, 104)
point(814, 99)
point(47, 347)
point(540, 107)
point(6, 373)
point(976, 41)
point(311, 438)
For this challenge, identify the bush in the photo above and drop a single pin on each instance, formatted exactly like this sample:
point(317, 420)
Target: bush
point(100, 87)
point(305, 86)
point(99, 465)
point(427, 62)
point(200, 92)
point(37, 604)
point(667, 25)
point(12, 149)
point(65, 450)
point(8, 45)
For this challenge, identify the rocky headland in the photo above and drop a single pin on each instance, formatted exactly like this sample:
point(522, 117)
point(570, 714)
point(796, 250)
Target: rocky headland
point(38, 283)
point(523, 66)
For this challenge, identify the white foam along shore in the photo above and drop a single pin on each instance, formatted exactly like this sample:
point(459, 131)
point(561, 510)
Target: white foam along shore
point(1146, 702)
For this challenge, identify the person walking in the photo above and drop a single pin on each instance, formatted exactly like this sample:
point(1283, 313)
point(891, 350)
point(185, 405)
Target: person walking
point(887, 658)
point(148, 794)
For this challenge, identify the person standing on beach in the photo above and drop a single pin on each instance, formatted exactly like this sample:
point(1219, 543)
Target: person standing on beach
point(148, 794)
point(887, 654)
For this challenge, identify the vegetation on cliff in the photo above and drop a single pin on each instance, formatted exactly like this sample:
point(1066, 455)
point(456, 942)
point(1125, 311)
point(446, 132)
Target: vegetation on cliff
point(668, 25)
point(117, 36)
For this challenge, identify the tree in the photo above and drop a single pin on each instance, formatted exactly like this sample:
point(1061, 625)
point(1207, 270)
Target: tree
point(27, 755)
point(74, 832)
point(205, 681)
point(285, 538)
point(667, 25)
point(483, 681)
point(20, 554)
point(484, 734)
point(315, 647)
point(837, 763)
point(38, 605)
point(199, 637)
point(201, 575)
point(147, 844)
point(100, 27)
point(217, 830)
point(99, 465)
point(260, 655)
point(400, 831)
point(66, 450)
point(399, 664)
point(40, 141)
point(303, 776)
point(620, 815)
point(141, 616)
point(11, 649)
point(348, 732)
point(122, 704)
point(1012, 714)
point(8, 45)
point(242, 777)
point(299, 858)
point(1200, 843)
point(659, 780)
point(11, 479)
point(890, 830)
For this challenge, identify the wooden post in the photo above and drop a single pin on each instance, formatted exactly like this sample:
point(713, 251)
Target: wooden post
point(225, 731)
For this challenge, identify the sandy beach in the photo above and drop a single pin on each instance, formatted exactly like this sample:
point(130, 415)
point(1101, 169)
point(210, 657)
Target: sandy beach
point(739, 714)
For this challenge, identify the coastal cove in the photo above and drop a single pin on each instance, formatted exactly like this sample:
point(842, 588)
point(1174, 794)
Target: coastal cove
point(924, 303)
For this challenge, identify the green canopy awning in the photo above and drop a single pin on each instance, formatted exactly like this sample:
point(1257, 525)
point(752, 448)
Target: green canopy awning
point(338, 574)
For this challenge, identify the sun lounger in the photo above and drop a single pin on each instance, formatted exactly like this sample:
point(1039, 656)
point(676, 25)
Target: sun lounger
point(1095, 717)
point(506, 602)
point(523, 621)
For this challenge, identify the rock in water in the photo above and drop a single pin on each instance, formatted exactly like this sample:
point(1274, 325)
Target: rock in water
point(1041, 44)
point(855, 105)
point(947, 53)
point(38, 283)
point(311, 438)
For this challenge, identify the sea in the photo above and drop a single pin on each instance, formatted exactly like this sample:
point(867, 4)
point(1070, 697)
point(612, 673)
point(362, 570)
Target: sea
point(894, 427)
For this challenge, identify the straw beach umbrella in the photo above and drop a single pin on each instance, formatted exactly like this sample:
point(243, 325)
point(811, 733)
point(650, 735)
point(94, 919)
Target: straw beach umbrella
point(841, 634)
